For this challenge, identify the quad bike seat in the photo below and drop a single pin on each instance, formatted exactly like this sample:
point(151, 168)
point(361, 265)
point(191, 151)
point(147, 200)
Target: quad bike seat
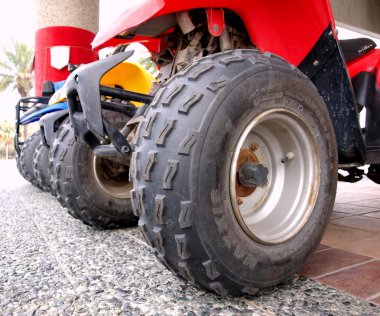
point(354, 48)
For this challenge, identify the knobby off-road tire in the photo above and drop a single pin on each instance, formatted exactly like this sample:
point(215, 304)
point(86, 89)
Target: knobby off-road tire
point(26, 157)
point(97, 199)
point(186, 160)
point(18, 165)
point(41, 167)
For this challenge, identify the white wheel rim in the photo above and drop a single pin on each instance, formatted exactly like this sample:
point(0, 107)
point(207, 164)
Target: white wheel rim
point(119, 189)
point(276, 212)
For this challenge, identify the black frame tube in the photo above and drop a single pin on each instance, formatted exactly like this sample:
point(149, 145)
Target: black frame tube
point(125, 94)
point(19, 107)
point(126, 109)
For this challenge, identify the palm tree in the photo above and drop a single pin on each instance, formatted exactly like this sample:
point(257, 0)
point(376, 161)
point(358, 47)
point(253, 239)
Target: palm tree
point(6, 135)
point(15, 71)
point(148, 64)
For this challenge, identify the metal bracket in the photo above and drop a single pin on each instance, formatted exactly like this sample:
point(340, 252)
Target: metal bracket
point(116, 138)
point(111, 153)
point(28, 110)
point(215, 21)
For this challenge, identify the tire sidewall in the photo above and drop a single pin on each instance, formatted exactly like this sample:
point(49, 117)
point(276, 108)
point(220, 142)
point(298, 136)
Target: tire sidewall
point(87, 186)
point(41, 167)
point(27, 154)
point(83, 195)
point(249, 94)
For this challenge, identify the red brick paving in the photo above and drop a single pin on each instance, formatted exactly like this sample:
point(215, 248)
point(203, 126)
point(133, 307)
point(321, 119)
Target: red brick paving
point(349, 255)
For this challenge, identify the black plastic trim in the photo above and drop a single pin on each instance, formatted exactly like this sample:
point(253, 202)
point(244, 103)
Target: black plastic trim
point(372, 136)
point(48, 125)
point(364, 85)
point(325, 66)
point(85, 105)
point(84, 83)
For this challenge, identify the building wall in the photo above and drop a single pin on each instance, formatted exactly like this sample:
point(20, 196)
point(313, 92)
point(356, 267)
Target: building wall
point(65, 30)
point(364, 14)
point(82, 14)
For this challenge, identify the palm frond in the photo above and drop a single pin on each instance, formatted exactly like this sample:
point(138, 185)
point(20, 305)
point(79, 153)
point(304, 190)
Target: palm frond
point(18, 64)
point(11, 56)
point(5, 66)
point(5, 82)
point(6, 132)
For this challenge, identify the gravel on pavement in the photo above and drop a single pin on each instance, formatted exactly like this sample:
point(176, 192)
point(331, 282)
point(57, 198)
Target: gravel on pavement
point(52, 264)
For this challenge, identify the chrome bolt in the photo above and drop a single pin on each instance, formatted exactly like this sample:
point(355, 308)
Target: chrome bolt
point(125, 149)
point(289, 156)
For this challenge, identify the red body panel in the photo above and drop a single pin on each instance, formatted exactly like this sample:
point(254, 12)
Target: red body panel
point(79, 41)
point(369, 62)
point(286, 28)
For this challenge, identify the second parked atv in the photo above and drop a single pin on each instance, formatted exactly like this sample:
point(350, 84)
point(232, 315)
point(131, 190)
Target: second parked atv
point(94, 189)
point(32, 157)
point(92, 186)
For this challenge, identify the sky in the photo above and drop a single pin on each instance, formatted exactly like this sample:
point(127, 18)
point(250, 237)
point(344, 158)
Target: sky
point(15, 24)
point(20, 24)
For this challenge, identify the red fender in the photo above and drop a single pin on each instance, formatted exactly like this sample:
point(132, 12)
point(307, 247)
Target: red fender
point(286, 28)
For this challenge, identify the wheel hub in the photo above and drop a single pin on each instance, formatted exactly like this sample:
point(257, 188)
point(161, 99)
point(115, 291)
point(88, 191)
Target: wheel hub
point(112, 177)
point(253, 175)
point(245, 156)
point(274, 184)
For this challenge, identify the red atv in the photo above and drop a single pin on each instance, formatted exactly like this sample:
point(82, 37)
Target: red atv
point(235, 160)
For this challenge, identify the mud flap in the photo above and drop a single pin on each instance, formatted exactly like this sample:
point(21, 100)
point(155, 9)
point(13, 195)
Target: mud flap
point(85, 104)
point(84, 84)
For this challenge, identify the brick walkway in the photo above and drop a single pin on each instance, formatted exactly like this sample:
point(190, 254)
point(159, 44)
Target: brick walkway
point(349, 255)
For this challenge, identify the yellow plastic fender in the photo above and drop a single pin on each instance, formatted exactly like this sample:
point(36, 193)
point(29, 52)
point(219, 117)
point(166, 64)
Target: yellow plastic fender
point(129, 76)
